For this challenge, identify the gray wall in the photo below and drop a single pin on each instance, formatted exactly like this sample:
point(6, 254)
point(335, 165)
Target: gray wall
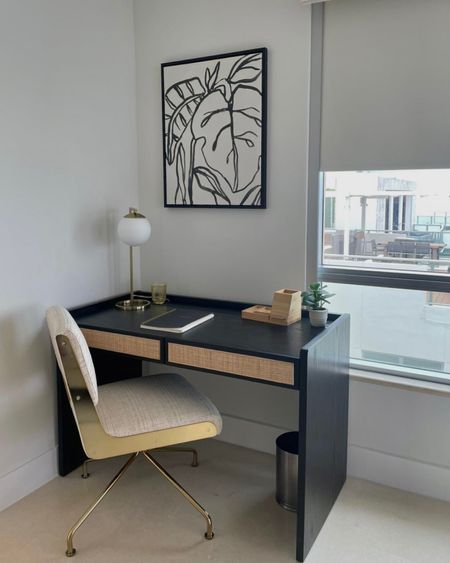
point(67, 171)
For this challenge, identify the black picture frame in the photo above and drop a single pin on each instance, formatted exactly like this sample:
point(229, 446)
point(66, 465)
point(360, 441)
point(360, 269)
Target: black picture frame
point(231, 91)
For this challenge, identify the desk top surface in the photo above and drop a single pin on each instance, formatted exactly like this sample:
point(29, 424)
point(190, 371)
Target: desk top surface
point(226, 331)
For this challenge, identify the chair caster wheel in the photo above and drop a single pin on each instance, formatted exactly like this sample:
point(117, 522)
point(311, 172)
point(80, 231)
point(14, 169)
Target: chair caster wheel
point(71, 553)
point(209, 536)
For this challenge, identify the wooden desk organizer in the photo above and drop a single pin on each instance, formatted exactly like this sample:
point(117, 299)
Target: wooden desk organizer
point(286, 309)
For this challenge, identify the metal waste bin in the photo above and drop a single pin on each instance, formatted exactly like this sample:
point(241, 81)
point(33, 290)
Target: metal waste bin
point(287, 470)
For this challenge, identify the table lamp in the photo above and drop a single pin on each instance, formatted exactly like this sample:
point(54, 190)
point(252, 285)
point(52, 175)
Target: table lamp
point(134, 229)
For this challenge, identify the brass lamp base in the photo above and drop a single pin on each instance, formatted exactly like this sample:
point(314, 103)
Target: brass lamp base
point(133, 304)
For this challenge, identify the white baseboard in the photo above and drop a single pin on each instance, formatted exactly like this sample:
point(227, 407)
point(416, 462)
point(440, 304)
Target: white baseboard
point(371, 465)
point(379, 467)
point(401, 473)
point(250, 434)
point(27, 478)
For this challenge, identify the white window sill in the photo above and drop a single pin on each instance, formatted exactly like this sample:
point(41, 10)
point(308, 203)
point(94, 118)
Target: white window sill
point(401, 382)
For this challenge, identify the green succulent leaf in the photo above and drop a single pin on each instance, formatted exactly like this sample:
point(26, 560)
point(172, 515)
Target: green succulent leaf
point(315, 297)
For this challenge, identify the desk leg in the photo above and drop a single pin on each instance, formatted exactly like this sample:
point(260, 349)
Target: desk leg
point(109, 367)
point(323, 429)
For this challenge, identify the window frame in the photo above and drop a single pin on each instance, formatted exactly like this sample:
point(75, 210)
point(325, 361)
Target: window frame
point(365, 276)
point(315, 270)
point(401, 372)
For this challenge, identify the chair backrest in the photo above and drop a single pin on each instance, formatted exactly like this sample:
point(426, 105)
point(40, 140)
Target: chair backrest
point(63, 328)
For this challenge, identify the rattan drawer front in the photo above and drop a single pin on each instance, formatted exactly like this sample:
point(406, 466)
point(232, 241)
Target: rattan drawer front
point(122, 343)
point(229, 362)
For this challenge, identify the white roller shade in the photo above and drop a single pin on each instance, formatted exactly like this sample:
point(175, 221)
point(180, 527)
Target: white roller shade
point(386, 85)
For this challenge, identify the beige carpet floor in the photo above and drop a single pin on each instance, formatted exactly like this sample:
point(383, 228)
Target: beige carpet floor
point(145, 520)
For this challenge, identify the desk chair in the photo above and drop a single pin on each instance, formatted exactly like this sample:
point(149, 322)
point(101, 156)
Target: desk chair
point(132, 416)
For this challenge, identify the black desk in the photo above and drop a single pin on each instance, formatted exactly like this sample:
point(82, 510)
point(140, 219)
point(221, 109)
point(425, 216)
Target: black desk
point(311, 361)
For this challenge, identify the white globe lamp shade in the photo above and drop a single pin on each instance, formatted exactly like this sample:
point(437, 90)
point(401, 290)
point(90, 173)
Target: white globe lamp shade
point(134, 229)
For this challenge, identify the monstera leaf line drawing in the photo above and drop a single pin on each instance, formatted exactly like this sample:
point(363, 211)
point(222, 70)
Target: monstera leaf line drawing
point(213, 132)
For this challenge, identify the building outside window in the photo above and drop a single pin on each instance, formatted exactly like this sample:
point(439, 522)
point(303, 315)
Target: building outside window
point(395, 220)
point(383, 223)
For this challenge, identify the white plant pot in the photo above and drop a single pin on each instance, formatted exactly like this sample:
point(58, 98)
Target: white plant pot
point(318, 318)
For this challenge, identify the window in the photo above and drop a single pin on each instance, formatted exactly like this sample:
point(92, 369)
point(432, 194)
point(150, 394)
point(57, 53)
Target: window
point(397, 330)
point(386, 251)
point(393, 225)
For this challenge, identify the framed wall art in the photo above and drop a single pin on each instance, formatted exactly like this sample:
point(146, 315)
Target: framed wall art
point(214, 131)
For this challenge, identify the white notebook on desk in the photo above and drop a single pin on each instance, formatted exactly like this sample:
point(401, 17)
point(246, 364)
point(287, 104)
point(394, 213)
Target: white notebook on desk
point(176, 320)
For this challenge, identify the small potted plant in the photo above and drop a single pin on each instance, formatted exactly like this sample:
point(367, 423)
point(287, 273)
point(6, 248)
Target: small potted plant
point(315, 298)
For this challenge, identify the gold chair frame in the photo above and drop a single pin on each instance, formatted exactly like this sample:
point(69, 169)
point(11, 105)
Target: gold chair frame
point(99, 445)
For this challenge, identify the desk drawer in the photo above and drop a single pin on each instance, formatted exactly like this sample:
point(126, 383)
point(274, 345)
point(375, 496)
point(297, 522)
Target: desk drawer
point(133, 345)
point(229, 362)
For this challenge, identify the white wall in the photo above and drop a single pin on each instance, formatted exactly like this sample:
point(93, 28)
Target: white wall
point(235, 254)
point(400, 438)
point(396, 437)
point(67, 170)
point(230, 254)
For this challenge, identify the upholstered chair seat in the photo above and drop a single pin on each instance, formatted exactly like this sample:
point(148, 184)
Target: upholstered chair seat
point(156, 402)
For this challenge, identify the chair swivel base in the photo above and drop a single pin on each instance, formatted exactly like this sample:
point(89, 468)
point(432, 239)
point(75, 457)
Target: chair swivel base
point(168, 449)
point(209, 534)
